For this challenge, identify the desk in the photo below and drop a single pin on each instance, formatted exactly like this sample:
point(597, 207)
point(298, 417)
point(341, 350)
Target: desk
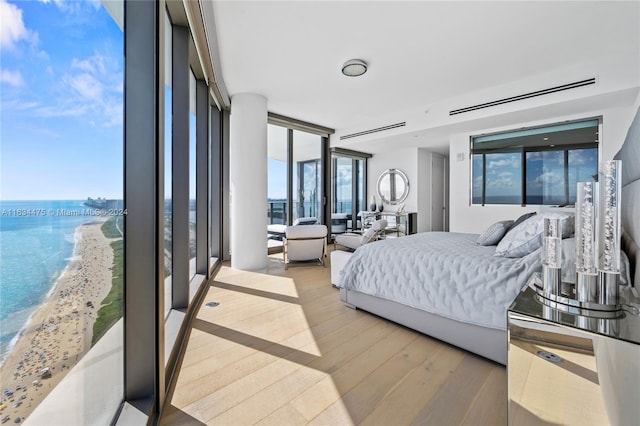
point(404, 223)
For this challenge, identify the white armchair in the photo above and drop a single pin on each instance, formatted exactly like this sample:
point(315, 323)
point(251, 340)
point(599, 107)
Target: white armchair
point(353, 241)
point(304, 243)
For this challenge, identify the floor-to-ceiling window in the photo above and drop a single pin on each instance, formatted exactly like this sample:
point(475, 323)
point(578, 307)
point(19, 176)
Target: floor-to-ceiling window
point(192, 175)
point(342, 185)
point(295, 178)
point(62, 214)
point(71, 186)
point(188, 173)
point(348, 182)
point(277, 174)
point(307, 153)
point(167, 214)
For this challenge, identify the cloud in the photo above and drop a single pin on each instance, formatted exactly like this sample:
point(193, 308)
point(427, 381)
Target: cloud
point(344, 175)
point(12, 28)
point(534, 156)
point(92, 86)
point(513, 161)
point(72, 6)
point(86, 86)
point(550, 177)
point(502, 182)
point(12, 78)
point(94, 64)
point(18, 105)
point(581, 157)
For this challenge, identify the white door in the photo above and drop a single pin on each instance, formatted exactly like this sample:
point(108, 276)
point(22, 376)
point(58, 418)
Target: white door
point(437, 193)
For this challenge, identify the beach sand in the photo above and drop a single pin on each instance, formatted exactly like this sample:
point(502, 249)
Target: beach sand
point(60, 331)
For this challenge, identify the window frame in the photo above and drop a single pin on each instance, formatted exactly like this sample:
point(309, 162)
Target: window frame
point(566, 148)
point(153, 344)
point(291, 124)
point(357, 192)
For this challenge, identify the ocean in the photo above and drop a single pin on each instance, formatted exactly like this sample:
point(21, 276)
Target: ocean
point(36, 244)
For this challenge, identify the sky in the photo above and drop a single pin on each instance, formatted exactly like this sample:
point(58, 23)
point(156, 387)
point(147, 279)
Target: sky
point(61, 97)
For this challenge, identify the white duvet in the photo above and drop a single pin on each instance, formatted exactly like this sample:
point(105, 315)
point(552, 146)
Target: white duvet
point(443, 273)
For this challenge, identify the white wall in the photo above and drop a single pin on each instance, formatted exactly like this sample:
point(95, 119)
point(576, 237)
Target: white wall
point(465, 217)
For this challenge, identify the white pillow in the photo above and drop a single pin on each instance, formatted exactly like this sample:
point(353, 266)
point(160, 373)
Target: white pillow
point(367, 235)
point(493, 234)
point(527, 237)
point(305, 221)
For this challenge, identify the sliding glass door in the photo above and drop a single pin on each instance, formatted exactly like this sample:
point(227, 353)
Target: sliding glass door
point(294, 179)
point(277, 174)
point(348, 190)
point(307, 153)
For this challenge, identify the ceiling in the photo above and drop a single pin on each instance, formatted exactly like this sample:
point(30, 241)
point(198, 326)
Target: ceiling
point(420, 54)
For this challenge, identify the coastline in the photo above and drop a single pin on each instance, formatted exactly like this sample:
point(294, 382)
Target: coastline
point(59, 332)
point(12, 343)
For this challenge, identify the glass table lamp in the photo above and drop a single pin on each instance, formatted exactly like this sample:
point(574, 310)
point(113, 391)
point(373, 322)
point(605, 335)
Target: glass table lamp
point(552, 256)
point(609, 233)
point(586, 244)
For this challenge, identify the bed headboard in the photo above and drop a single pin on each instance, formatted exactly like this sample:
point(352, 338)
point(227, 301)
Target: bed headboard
point(630, 156)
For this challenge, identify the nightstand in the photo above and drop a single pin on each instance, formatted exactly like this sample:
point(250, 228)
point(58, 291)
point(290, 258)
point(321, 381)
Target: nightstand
point(565, 367)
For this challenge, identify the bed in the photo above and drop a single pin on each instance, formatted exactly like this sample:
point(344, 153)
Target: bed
point(461, 291)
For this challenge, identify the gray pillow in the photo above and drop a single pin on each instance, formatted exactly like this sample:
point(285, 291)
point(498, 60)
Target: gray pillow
point(521, 219)
point(493, 234)
point(527, 237)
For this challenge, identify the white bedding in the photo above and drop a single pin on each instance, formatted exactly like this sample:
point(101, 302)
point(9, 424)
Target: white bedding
point(443, 273)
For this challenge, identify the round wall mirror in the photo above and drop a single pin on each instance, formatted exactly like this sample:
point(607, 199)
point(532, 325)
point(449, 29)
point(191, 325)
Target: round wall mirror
point(393, 186)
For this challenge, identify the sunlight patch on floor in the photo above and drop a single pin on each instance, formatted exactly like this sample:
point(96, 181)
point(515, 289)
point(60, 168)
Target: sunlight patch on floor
point(269, 306)
point(258, 281)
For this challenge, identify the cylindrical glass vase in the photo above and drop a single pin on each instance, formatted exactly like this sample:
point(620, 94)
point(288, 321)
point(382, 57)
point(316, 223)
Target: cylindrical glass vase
point(552, 256)
point(586, 243)
point(609, 232)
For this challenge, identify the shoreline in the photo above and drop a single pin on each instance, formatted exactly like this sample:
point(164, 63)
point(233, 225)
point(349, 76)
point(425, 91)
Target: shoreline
point(12, 343)
point(59, 332)
point(77, 236)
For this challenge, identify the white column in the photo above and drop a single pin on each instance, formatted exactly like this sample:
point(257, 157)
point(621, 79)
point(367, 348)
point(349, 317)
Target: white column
point(248, 176)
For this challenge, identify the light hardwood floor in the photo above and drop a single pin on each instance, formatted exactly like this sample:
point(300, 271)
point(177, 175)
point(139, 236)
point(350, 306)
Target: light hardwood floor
point(281, 349)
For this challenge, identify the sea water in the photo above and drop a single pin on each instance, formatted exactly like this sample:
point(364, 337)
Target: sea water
point(36, 245)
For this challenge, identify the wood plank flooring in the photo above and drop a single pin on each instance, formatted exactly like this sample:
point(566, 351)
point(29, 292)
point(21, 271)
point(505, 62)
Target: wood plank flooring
point(281, 349)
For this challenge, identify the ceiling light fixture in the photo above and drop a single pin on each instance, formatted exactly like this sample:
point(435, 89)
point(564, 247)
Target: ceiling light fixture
point(354, 68)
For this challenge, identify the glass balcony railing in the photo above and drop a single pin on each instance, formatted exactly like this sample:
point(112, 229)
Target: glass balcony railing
point(277, 212)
